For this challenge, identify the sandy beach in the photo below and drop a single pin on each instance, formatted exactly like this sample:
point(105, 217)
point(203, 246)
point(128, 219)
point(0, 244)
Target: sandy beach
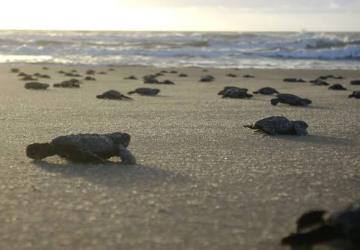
point(203, 181)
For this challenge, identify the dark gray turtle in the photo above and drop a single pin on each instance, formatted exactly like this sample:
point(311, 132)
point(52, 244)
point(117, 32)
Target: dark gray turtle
point(231, 75)
point(320, 226)
point(290, 99)
point(39, 75)
point(279, 125)
point(173, 72)
point(45, 68)
point(36, 85)
point(72, 74)
point(355, 82)
point(14, 70)
point(102, 73)
point(293, 80)
point(234, 92)
point(113, 95)
point(248, 76)
point(90, 72)
point(355, 94)
point(85, 148)
point(90, 78)
point(131, 78)
point(28, 78)
point(337, 86)
point(266, 91)
point(183, 75)
point(319, 82)
point(150, 79)
point(232, 87)
point(145, 91)
point(207, 78)
point(67, 84)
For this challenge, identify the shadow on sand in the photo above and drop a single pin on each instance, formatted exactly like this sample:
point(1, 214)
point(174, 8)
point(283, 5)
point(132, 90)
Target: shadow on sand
point(112, 174)
point(319, 139)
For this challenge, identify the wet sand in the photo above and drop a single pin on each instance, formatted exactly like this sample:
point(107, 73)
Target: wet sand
point(203, 180)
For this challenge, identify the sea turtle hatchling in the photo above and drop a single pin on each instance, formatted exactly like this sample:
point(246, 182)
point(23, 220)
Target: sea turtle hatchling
point(290, 99)
point(234, 92)
point(85, 148)
point(266, 91)
point(280, 125)
point(113, 95)
point(321, 227)
point(145, 91)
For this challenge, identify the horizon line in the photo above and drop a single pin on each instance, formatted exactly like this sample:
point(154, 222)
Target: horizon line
point(188, 31)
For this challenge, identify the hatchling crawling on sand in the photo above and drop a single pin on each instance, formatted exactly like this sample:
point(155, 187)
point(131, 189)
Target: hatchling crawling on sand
point(290, 99)
point(266, 91)
point(322, 227)
point(280, 125)
point(145, 91)
point(85, 148)
point(234, 92)
point(113, 95)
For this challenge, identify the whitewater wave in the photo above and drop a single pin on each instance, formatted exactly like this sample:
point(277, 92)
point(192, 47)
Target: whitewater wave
point(218, 49)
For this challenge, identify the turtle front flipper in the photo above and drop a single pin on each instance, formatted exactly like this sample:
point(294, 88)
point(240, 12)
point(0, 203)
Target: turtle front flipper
point(126, 156)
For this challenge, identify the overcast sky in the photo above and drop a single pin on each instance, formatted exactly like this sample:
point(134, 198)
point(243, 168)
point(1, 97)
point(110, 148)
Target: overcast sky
point(227, 15)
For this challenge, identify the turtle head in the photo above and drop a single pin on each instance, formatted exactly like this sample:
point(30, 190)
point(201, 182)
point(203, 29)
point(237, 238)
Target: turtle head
point(300, 127)
point(38, 151)
point(120, 138)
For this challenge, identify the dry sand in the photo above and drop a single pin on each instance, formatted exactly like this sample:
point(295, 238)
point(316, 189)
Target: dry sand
point(203, 181)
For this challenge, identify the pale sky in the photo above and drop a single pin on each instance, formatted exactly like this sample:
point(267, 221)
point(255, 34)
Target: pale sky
point(199, 15)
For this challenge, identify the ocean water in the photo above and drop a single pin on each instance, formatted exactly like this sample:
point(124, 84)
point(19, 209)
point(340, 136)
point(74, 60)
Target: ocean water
point(164, 49)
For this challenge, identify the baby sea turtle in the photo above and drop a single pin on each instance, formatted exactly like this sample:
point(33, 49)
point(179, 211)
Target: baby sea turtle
point(14, 70)
point(151, 79)
point(36, 85)
point(280, 125)
point(337, 86)
point(293, 80)
point(68, 84)
point(234, 92)
point(113, 95)
point(320, 226)
point(207, 78)
point(290, 99)
point(355, 94)
point(89, 78)
point(231, 75)
point(183, 75)
point(145, 91)
point(85, 148)
point(266, 91)
point(319, 82)
point(355, 82)
point(131, 78)
point(248, 76)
